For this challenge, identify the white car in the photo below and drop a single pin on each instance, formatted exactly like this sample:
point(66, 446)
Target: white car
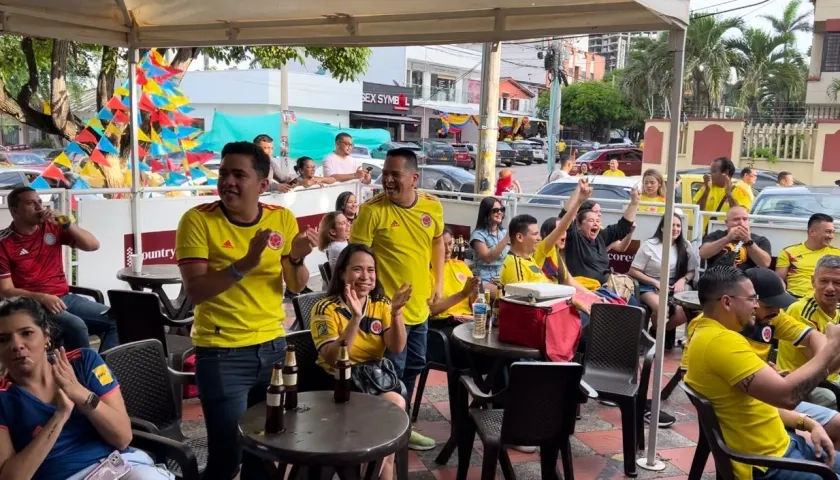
point(360, 152)
point(604, 188)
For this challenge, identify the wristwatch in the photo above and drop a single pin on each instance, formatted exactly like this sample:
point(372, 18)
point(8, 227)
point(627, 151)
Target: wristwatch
point(295, 263)
point(749, 243)
point(91, 403)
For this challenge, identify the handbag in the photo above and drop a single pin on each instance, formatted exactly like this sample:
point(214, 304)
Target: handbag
point(621, 285)
point(376, 377)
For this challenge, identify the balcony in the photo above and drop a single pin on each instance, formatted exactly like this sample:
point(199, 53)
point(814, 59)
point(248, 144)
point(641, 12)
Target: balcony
point(440, 94)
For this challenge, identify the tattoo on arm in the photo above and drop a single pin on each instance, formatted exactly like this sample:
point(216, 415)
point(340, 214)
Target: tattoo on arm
point(801, 390)
point(745, 383)
point(53, 431)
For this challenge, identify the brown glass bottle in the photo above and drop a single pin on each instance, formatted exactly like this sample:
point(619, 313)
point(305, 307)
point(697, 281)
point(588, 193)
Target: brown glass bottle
point(274, 401)
point(342, 375)
point(290, 376)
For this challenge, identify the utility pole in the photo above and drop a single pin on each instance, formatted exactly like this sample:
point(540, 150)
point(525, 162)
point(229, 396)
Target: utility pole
point(488, 134)
point(553, 66)
point(284, 127)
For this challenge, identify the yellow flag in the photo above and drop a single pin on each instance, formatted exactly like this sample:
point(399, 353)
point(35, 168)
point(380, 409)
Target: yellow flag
point(121, 91)
point(47, 109)
point(63, 160)
point(152, 87)
point(155, 137)
point(190, 144)
point(128, 177)
point(178, 100)
point(208, 172)
point(171, 146)
point(94, 123)
point(141, 136)
point(91, 171)
point(169, 107)
point(113, 130)
point(158, 57)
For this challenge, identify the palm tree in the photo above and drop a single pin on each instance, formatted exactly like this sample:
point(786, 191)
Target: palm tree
point(646, 80)
point(709, 60)
point(789, 23)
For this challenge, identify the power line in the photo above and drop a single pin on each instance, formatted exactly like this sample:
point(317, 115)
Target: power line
point(735, 9)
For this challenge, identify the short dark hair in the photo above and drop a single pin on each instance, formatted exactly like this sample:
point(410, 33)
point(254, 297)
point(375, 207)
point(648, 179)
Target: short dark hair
point(726, 166)
point(819, 218)
point(32, 308)
point(782, 175)
point(342, 135)
point(717, 282)
point(262, 138)
point(520, 224)
point(14, 196)
point(259, 159)
point(336, 286)
point(565, 161)
point(548, 226)
point(300, 162)
point(406, 153)
point(746, 171)
point(448, 229)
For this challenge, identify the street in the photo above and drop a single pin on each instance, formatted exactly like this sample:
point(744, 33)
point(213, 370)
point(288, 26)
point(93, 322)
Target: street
point(531, 177)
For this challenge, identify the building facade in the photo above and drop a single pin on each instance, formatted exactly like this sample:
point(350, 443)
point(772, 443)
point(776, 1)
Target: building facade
point(614, 47)
point(825, 61)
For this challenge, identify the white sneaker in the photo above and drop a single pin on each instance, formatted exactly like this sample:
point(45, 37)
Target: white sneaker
point(522, 449)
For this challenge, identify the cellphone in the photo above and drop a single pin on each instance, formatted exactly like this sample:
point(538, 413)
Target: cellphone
point(369, 169)
point(112, 468)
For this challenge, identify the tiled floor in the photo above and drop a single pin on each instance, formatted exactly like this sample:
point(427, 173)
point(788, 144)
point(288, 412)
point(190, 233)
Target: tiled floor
point(596, 446)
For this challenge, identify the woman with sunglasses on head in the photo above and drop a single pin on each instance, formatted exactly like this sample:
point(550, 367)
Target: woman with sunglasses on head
point(489, 240)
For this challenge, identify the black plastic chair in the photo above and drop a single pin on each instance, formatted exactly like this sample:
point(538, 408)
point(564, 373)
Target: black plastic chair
point(303, 309)
point(139, 317)
point(148, 386)
point(611, 367)
point(540, 413)
point(724, 456)
point(326, 272)
point(96, 296)
point(311, 377)
point(447, 366)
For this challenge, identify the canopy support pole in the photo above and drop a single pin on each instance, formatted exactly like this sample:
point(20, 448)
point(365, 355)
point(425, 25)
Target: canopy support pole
point(134, 95)
point(488, 132)
point(676, 40)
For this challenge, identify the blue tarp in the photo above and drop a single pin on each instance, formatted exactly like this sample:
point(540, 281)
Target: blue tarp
point(312, 139)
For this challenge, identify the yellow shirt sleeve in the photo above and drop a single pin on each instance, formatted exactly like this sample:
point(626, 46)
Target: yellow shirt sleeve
point(363, 227)
point(699, 194)
point(386, 319)
point(509, 272)
point(783, 260)
point(437, 218)
point(291, 229)
point(742, 198)
point(192, 238)
point(324, 325)
point(543, 250)
point(789, 329)
point(731, 357)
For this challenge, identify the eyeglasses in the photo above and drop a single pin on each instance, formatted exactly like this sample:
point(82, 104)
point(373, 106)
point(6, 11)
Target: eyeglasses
point(497, 210)
point(347, 144)
point(750, 298)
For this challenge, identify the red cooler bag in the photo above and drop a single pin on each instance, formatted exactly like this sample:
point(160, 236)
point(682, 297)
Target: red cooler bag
point(552, 326)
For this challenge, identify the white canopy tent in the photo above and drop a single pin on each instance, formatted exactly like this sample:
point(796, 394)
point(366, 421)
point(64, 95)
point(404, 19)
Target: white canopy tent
point(137, 24)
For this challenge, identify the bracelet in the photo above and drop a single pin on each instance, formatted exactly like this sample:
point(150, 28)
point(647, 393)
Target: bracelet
point(236, 275)
point(295, 263)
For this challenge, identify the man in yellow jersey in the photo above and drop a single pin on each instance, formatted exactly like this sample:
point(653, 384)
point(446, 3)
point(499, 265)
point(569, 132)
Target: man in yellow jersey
point(749, 176)
point(528, 252)
point(751, 400)
point(718, 193)
point(404, 228)
point(796, 264)
point(816, 311)
point(613, 171)
point(235, 255)
point(736, 246)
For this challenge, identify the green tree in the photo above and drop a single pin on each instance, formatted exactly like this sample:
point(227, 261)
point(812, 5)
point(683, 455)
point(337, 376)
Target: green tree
point(596, 107)
point(789, 24)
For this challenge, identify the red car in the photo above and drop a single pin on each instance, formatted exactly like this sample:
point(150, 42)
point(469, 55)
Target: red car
point(23, 159)
point(629, 161)
point(462, 156)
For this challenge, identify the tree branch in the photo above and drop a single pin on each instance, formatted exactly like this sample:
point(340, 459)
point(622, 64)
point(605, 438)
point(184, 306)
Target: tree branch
point(182, 60)
point(30, 88)
point(107, 76)
point(64, 121)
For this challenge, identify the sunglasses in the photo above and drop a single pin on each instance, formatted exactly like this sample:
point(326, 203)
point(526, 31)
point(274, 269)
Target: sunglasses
point(497, 210)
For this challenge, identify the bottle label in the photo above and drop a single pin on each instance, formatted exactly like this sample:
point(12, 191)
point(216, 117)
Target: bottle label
point(346, 374)
point(290, 379)
point(273, 399)
point(479, 309)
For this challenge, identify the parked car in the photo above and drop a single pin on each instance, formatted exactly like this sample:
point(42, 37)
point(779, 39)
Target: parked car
point(533, 150)
point(438, 153)
point(463, 158)
point(382, 150)
point(603, 189)
point(620, 142)
point(764, 178)
point(11, 178)
point(524, 151)
point(23, 159)
point(629, 160)
point(798, 201)
point(439, 177)
point(505, 154)
point(359, 151)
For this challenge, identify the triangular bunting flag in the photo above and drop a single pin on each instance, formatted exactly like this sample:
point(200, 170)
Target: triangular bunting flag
point(197, 173)
point(168, 133)
point(63, 160)
point(182, 119)
point(120, 117)
point(152, 87)
point(105, 114)
point(47, 108)
point(186, 132)
point(95, 124)
point(208, 173)
point(157, 58)
point(142, 151)
point(39, 184)
point(113, 130)
point(157, 150)
point(185, 109)
point(156, 166)
point(116, 103)
point(141, 78)
point(178, 101)
point(159, 100)
point(144, 167)
point(169, 165)
point(54, 173)
point(155, 137)
point(85, 136)
point(145, 104)
point(74, 147)
point(190, 144)
point(99, 159)
point(106, 146)
point(169, 107)
point(80, 184)
point(153, 71)
point(141, 136)
point(122, 91)
point(171, 147)
point(91, 171)
point(199, 157)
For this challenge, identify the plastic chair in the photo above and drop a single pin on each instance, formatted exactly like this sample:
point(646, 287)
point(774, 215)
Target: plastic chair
point(303, 309)
point(311, 377)
point(724, 456)
point(96, 296)
point(540, 413)
point(611, 367)
point(148, 384)
point(139, 317)
point(326, 272)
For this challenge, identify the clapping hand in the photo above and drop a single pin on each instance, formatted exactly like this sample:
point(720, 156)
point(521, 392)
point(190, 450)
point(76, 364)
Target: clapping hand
point(66, 379)
point(355, 303)
point(304, 243)
point(256, 248)
point(400, 298)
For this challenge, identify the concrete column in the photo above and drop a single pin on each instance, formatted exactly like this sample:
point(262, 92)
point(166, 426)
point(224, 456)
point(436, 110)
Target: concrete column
point(427, 87)
point(459, 91)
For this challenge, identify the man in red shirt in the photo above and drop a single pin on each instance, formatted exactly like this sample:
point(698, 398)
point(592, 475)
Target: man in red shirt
point(31, 266)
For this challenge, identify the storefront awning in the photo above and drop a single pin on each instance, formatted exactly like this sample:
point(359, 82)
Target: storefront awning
point(385, 118)
point(474, 111)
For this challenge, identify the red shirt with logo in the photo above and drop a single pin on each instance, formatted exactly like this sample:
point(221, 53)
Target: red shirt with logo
point(35, 261)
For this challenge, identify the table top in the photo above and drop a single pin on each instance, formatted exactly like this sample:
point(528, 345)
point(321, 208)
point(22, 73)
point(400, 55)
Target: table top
point(322, 432)
point(490, 345)
point(152, 275)
point(688, 298)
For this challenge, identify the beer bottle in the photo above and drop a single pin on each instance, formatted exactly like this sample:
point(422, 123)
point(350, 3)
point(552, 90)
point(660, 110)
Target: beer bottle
point(290, 373)
point(462, 248)
point(274, 401)
point(342, 375)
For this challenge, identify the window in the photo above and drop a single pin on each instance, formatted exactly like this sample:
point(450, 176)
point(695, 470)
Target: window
point(514, 104)
point(11, 179)
point(831, 52)
point(632, 157)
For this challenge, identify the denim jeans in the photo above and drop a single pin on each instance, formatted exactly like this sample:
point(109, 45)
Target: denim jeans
point(230, 380)
point(142, 468)
point(82, 318)
point(797, 450)
point(412, 360)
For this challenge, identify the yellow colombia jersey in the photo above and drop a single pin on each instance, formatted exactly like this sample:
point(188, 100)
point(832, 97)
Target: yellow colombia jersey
point(455, 275)
point(715, 203)
point(330, 316)
point(718, 360)
point(801, 262)
point(808, 312)
point(652, 208)
point(251, 311)
point(516, 269)
point(610, 173)
point(401, 239)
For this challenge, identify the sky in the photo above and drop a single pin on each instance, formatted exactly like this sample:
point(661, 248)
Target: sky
point(751, 14)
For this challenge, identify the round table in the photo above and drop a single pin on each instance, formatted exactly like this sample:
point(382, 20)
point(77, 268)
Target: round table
point(491, 345)
point(154, 277)
point(338, 436)
point(688, 299)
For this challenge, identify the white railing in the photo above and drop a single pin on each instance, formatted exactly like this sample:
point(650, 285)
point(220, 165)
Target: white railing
point(775, 142)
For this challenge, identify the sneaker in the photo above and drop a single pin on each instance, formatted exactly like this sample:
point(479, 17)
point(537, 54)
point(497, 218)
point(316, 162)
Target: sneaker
point(520, 448)
point(608, 403)
point(420, 442)
point(665, 419)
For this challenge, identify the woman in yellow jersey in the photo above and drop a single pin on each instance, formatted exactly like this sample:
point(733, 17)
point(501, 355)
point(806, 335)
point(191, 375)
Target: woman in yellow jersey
point(682, 265)
point(356, 311)
point(554, 265)
point(653, 190)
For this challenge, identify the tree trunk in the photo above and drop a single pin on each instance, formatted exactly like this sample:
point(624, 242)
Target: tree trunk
point(107, 76)
point(59, 96)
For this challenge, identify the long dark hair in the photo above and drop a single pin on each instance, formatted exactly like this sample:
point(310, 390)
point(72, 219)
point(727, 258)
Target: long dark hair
point(547, 227)
point(336, 286)
point(681, 244)
point(485, 209)
point(341, 201)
